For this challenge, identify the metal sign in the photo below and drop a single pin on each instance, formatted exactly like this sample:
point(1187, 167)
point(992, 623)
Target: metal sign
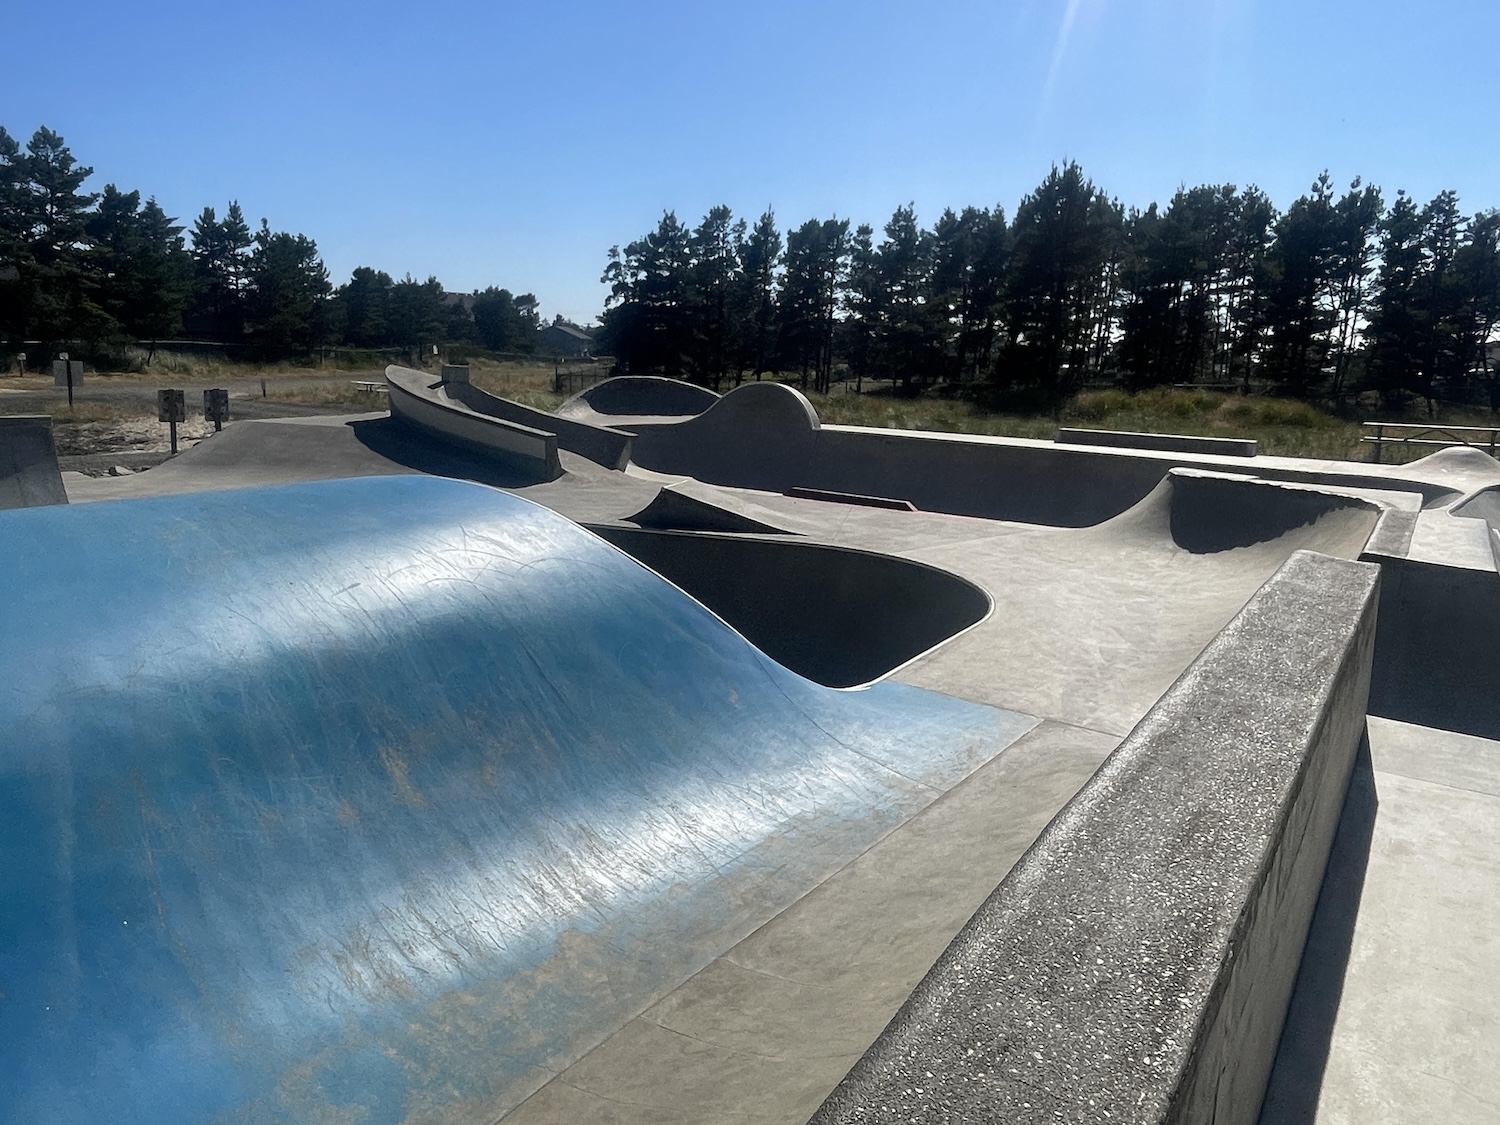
point(216, 407)
point(171, 405)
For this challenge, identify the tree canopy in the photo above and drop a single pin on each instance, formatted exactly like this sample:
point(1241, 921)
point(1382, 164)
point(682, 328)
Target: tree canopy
point(94, 270)
point(1338, 293)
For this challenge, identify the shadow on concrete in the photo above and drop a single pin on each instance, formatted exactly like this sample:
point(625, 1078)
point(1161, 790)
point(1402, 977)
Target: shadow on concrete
point(839, 616)
point(1435, 656)
point(395, 441)
point(1296, 1080)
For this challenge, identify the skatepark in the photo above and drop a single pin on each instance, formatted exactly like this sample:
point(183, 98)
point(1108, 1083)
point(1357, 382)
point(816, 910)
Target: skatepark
point(678, 758)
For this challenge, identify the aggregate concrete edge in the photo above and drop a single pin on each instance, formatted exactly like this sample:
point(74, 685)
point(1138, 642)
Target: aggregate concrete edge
point(1136, 963)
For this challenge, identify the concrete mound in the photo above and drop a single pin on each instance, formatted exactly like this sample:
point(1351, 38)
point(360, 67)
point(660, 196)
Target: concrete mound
point(639, 395)
point(1206, 513)
point(675, 510)
point(387, 798)
point(29, 476)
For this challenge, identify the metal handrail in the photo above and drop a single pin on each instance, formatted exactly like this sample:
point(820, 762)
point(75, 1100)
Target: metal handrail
point(1420, 437)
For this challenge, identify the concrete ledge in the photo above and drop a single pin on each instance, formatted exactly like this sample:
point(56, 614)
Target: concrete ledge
point(1136, 964)
point(417, 402)
point(1174, 443)
point(29, 476)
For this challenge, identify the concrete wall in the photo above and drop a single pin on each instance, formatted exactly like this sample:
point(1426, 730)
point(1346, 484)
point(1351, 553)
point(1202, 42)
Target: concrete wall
point(28, 462)
point(1136, 964)
point(1437, 663)
point(420, 403)
point(767, 436)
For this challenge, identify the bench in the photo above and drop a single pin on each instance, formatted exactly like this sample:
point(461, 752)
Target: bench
point(370, 386)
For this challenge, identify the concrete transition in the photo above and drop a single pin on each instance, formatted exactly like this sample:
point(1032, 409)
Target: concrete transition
point(639, 396)
point(675, 509)
point(439, 409)
point(396, 798)
point(837, 616)
point(1137, 963)
point(387, 798)
point(28, 462)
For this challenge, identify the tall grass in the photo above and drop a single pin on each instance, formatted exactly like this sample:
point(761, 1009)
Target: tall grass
point(1284, 427)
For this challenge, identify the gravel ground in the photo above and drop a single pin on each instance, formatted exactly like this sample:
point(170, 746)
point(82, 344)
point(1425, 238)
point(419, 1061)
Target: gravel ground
point(116, 415)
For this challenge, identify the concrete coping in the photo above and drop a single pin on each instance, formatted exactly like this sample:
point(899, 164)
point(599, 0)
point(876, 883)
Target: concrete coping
point(1136, 963)
point(1174, 443)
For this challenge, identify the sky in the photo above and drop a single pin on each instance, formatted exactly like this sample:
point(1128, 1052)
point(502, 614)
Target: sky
point(512, 144)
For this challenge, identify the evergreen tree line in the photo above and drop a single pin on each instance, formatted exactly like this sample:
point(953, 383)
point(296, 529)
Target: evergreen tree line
point(1339, 293)
point(95, 271)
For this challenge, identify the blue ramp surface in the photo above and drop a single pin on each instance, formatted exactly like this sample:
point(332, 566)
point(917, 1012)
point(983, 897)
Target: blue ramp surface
point(382, 799)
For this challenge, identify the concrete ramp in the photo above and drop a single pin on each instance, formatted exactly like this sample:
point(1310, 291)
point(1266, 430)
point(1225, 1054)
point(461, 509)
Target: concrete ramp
point(676, 509)
point(1207, 513)
point(29, 476)
point(385, 799)
point(639, 396)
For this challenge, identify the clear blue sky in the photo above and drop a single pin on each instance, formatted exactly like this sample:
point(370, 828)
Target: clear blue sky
point(512, 144)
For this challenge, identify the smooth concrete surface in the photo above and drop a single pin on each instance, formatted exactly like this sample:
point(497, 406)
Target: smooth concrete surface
point(678, 509)
point(1136, 964)
point(1396, 1017)
point(638, 396)
point(762, 1034)
point(288, 450)
point(1177, 443)
point(29, 475)
point(436, 409)
point(837, 615)
point(600, 444)
point(1092, 624)
point(383, 799)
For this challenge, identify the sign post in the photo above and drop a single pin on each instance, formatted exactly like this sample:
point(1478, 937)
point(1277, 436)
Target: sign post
point(216, 407)
point(67, 373)
point(171, 407)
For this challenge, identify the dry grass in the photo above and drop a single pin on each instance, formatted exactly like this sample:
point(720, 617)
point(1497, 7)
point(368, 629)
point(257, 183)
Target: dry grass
point(83, 413)
point(1282, 427)
point(530, 384)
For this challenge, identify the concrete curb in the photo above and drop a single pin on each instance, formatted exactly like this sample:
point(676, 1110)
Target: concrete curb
point(1136, 964)
point(1172, 443)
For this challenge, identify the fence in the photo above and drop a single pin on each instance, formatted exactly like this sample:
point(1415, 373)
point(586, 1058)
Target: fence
point(1421, 434)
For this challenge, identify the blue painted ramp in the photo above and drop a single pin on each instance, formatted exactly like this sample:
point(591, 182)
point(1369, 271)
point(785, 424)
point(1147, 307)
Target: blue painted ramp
point(381, 799)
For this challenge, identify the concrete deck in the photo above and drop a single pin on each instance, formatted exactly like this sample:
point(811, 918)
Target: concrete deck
point(1396, 1017)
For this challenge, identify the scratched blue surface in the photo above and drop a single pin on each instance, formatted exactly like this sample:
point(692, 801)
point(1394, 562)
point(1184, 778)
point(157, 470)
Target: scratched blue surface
point(384, 798)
